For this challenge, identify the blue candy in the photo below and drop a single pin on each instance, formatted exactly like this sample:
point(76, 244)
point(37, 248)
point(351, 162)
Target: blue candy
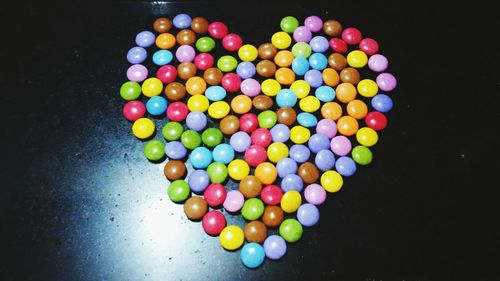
point(215, 93)
point(286, 98)
point(252, 255)
point(156, 105)
point(325, 93)
point(162, 57)
point(307, 119)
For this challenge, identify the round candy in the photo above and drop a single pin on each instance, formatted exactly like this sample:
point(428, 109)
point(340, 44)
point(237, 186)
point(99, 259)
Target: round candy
point(253, 209)
point(331, 181)
point(301, 49)
point(255, 155)
point(200, 157)
point(255, 231)
point(191, 139)
point(367, 88)
point(382, 103)
point(345, 92)
point(307, 120)
point(217, 172)
point(286, 98)
point(246, 70)
point(218, 109)
point(240, 141)
point(234, 201)
point(227, 63)
point(232, 42)
point(167, 73)
point(369, 46)
point(340, 145)
point(185, 53)
point(292, 182)
point(241, 104)
point(325, 93)
point(162, 57)
point(367, 136)
point(286, 116)
point(331, 110)
point(386, 82)
point(154, 150)
point(308, 172)
point(302, 34)
point(213, 222)
point(301, 88)
point(300, 65)
point(277, 151)
point(337, 61)
point(205, 44)
point(289, 24)
point(345, 166)
point(300, 153)
point(351, 35)
point(231, 237)
point(215, 194)
point(347, 126)
point(252, 255)
point(215, 93)
point(162, 25)
point(136, 55)
point(308, 215)
point(273, 216)
point(283, 58)
point(338, 45)
point(324, 160)
point(281, 40)
point(262, 102)
point(238, 169)
point(196, 120)
point(314, 78)
point(265, 68)
point(332, 28)
point(198, 180)
point(314, 23)
point(165, 41)
point(175, 91)
point(134, 110)
point(177, 111)
point(156, 105)
point(229, 124)
point(267, 119)
point(376, 120)
point(203, 61)
point(266, 173)
point(299, 134)
point(327, 127)
point(274, 247)
point(199, 25)
point(362, 155)
point(309, 104)
point(270, 87)
point(286, 166)
point(152, 87)
point(217, 30)
point(212, 137)
point(178, 191)
point(330, 77)
point(137, 73)
point(267, 51)
point(130, 90)
point(185, 37)
point(143, 128)
point(195, 208)
point(186, 70)
point(291, 230)
point(357, 109)
point(318, 142)
point(231, 82)
point(291, 201)
point(315, 194)
point(319, 44)
point(223, 153)
point(271, 194)
point(250, 186)
point(248, 52)
point(174, 170)
point(175, 150)
point(378, 63)
point(357, 59)
point(280, 133)
point(182, 21)
point(250, 87)
point(285, 76)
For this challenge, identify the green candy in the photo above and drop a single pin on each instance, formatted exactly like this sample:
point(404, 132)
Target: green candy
point(362, 155)
point(217, 172)
point(205, 44)
point(252, 209)
point(172, 131)
point(291, 230)
point(227, 63)
point(130, 90)
point(301, 49)
point(212, 137)
point(289, 24)
point(178, 191)
point(154, 150)
point(267, 119)
point(190, 139)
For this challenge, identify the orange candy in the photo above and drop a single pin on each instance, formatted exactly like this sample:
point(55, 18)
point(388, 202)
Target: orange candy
point(357, 109)
point(347, 126)
point(345, 92)
point(266, 173)
point(331, 110)
point(283, 58)
point(285, 76)
point(196, 85)
point(165, 41)
point(241, 104)
point(331, 77)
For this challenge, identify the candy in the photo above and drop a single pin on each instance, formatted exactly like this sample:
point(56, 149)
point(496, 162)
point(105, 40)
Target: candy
point(253, 209)
point(302, 34)
point(248, 122)
point(315, 194)
point(285, 76)
point(261, 137)
point(175, 91)
point(185, 37)
point(234, 201)
point(308, 172)
point(203, 61)
point(301, 88)
point(266, 173)
point(238, 169)
point(215, 194)
point(308, 215)
point(286, 98)
point(154, 150)
point(229, 124)
point(318, 142)
point(200, 157)
point(211, 137)
point(240, 141)
point(205, 44)
point(319, 44)
point(248, 52)
point(280, 133)
point(289, 24)
point(382, 103)
point(286, 166)
point(130, 90)
point(156, 105)
point(301, 49)
point(351, 35)
point(178, 191)
point(357, 109)
point(175, 150)
point(286, 116)
point(217, 30)
point(331, 181)
point(174, 170)
point(347, 126)
point(362, 155)
point(300, 153)
point(136, 55)
point(231, 237)
point(191, 139)
point(231, 82)
point(267, 51)
point(134, 110)
point(198, 181)
point(262, 102)
point(331, 110)
point(227, 63)
point(182, 21)
point(275, 247)
point(250, 186)
point(232, 42)
point(217, 172)
point(291, 230)
point(186, 70)
point(277, 151)
point(165, 41)
point(255, 231)
point(162, 25)
point(241, 104)
point(340, 145)
point(199, 25)
point(314, 23)
point(223, 153)
point(367, 136)
point(299, 134)
point(143, 128)
point(195, 208)
point(292, 182)
point(137, 73)
point(332, 28)
point(309, 104)
point(283, 58)
point(357, 59)
point(314, 78)
point(290, 201)
point(252, 255)
point(345, 166)
point(267, 119)
point(196, 120)
point(327, 127)
point(218, 109)
point(152, 87)
point(185, 53)
point(177, 111)
point(337, 61)
point(213, 222)
point(273, 216)
point(367, 88)
point(338, 45)
point(324, 160)
point(271, 195)
point(246, 70)
point(266, 68)
point(250, 87)
point(369, 46)
point(378, 63)
point(300, 65)
point(386, 82)
point(325, 93)
point(376, 120)
point(281, 40)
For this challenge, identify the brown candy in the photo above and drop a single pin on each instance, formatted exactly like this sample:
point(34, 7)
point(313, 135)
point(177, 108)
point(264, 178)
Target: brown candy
point(273, 216)
point(308, 172)
point(287, 116)
point(229, 125)
point(162, 25)
point(199, 25)
point(267, 51)
point(186, 70)
point(212, 76)
point(262, 102)
point(266, 68)
point(174, 170)
point(185, 37)
point(332, 27)
point(350, 75)
point(255, 231)
point(337, 61)
point(195, 208)
point(250, 186)
point(175, 91)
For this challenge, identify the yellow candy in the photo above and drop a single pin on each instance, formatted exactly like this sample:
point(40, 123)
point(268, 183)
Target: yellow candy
point(301, 88)
point(231, 237)
point(238, 169)
point(299, 134)
point(367, 136)
point(248, 52)
point(309, 104)
point(357, 59)
point(241, 104)
point(143, 128)
point(281, 40)
point(331, 181)
point(277, 151)
point(270, 87)
point(218, 109)
point(367, 88)
point(196, 85)
point(291, 201)
point(152, 87)
point(198, 103)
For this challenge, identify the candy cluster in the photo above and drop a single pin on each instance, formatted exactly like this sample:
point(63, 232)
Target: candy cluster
point(286, 120)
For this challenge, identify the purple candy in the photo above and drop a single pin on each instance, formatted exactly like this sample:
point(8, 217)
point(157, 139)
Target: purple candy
point(340, 145)
point(314, 78)
point(198, 180)
point(185, 53)
point(313, 23)
point(145, 39)
point(182, 21)
point(345, 166)
point(274, 247)
point(196, 120)
point(175, 150)
point(324, 160)
point(136, 55)
point(137, 73)
point(286, 166)
point(234, 201)
point(319, 44)
point(302, 34)
point(327, 127)
point(378, 63)
point(280, 133)
point(315, 194)
point(299, 153)
point(292, 182)
point(240, 141)
point(308, 215)
point(386, 82)
point(245, 70)
point(318, 142)
point(250, 87)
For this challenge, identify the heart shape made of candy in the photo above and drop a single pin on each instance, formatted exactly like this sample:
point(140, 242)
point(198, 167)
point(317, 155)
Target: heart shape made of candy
point(280, 120)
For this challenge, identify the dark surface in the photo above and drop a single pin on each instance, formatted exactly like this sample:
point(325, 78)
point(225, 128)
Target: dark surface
point(79, 201)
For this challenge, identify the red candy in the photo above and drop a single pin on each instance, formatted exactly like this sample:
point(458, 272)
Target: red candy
point(231, 82)
point(255, 155)
point(351, 35)
point(369, 46)
point(217, 30)
point(215, 194)
point(232, 42)
point(338, 45)
point(166, 73)
point(177, 111)
point(248, 122)
point(262, 137)
point(376, 120)
point(213, 222)
point(203, 61)
point(134, 110)
point(271, 194)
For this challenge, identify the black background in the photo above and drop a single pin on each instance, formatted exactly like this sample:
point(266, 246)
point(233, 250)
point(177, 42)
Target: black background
point(79, 201)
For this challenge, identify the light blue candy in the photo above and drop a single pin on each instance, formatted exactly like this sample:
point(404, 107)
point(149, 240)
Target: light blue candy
point(223, 153)
point(200, 157)
point(318, 61)
point(325, 93)
point(252, 255)
point(300, 65)
point(286, 98)
point(215, 93)
point(162, 57)
point(307, 119)
point(156, 105)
